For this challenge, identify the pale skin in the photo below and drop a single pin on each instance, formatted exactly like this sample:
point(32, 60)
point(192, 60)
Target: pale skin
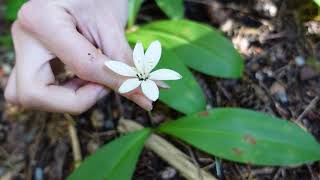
point(73, 31)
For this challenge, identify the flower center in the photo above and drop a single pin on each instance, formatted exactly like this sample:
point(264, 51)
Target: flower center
point(142, 77)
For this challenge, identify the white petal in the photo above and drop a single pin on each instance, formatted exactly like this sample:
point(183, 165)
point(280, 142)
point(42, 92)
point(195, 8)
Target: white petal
point(152, 56)
point(138, 56)
point(129, 85)
point(165, 74)
point(150, 89)
point(121, 68)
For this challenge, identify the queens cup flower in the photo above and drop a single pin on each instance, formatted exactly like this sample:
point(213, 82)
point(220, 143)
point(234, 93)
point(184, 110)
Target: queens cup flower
point(141, 74)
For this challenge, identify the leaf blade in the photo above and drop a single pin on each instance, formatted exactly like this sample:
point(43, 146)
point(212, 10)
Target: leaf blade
point(133, 10)
point(11, 9)
point(173, 9)
point(6, 41)
point(246, 136)
point(184, 95)
point(115, 160)
point(199, 46)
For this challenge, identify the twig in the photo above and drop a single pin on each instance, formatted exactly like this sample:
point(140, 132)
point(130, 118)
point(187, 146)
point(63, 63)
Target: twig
point(74, 140)
point(265, 170)
point(311, 105)
point(224, 91)
point(193, 158)
point(167, 152)
point(314, 177)
point(278, 173)
point(10, 174)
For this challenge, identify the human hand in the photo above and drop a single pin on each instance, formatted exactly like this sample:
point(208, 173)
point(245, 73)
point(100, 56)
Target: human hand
point(73, 31)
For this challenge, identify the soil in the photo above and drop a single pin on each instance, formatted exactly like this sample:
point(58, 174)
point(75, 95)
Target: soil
point(279, 41)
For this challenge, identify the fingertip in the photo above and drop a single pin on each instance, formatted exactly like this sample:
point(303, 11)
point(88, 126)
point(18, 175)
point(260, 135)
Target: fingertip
point(98, 89)
point(103, 93)
point(163, 85)
point(142, 101)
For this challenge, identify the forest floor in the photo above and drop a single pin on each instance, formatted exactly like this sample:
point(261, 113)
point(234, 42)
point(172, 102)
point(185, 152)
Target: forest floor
point(280, 43)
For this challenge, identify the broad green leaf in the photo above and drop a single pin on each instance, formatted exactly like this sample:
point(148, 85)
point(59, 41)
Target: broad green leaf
point(11, 8)
point(184, 95)
point(172, 8)
point(317, 1)
point(246, 136)
point(114, 161)
point(133, 8)
point(199, 46)
point(6, 41)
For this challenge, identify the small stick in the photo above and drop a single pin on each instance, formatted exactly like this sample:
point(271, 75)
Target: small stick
point(311, 105)
point(194, 160)
point(10, 174)
point(167, 152)
point(311, 172)
point(192, 157)
point(74, 140)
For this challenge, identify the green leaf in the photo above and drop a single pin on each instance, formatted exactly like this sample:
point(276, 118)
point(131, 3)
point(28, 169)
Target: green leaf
point(11, 9)
point(114, 161)
point(6, 41)
point(172, 8)
point(317, 1)
point(246, 136)
point(133, 8)
point(184, 95)
point(199, 46)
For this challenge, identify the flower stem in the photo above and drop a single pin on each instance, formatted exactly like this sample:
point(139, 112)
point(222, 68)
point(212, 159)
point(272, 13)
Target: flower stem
point(151, 118)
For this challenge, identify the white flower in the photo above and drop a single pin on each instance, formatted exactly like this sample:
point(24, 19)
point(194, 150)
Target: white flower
point(141, 74)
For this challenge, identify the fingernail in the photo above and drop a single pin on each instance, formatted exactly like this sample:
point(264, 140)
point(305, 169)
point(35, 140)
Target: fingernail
point(163, 85)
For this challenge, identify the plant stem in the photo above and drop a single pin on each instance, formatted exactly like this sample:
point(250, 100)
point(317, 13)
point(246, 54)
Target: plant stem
point(74, 140)
point(218, 166)
point(167, 152)
point(151, 118)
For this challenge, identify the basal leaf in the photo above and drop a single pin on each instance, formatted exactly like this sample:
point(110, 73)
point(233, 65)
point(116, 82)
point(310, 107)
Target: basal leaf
point(6, 41)
point(172, 8)
point(246, 136)
point(184, 95)
point(114, 161)
point(11, 8)
point(133, 9)
point(199, 46)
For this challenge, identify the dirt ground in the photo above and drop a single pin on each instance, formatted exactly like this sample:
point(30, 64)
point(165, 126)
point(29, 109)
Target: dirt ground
point(280, 42)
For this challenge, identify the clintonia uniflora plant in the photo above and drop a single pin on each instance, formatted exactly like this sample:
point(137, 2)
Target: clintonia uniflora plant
point(141, 74)
point(231, 133)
